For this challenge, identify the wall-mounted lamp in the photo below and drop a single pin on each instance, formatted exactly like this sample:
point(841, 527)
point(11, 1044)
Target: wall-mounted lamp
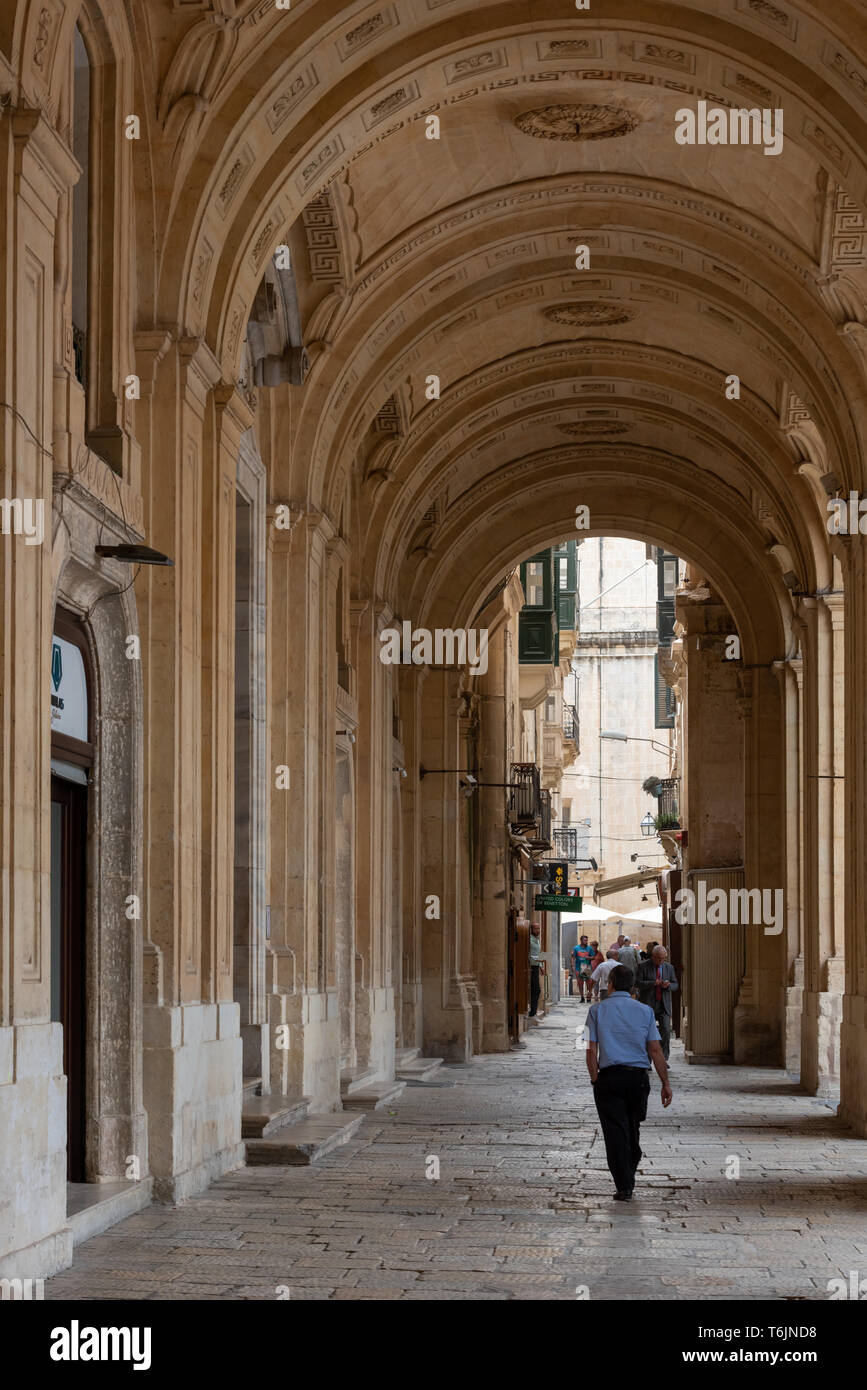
point(458, 771)
point(134, 554)
point(400, 770)
point(347, 733)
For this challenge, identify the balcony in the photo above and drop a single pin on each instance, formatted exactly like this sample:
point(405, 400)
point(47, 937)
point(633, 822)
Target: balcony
point(564, 843)
point(570, 722)
point(668, 808)
point(525, 798)
point(567, 605)
point(537, 637)
point(540, 838)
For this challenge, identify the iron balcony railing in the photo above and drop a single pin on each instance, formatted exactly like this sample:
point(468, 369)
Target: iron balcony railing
point(542, 837)
point(564, 842)
point(525, 798)
point(570, 722)
point(669, 801)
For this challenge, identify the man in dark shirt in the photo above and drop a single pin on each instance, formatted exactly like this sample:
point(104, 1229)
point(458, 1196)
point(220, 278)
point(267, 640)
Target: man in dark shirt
point(656, 981)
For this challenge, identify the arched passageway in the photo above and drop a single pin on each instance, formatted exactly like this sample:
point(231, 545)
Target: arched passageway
point(369, 305)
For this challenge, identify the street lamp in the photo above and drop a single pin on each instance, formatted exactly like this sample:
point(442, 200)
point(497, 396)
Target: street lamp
point(648, 825)
point(630, 738)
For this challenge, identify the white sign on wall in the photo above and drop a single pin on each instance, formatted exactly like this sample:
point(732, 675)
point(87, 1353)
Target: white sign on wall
point(68, 690)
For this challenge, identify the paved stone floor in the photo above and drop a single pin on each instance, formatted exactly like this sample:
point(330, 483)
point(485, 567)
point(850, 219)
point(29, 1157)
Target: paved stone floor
point(522, 1208)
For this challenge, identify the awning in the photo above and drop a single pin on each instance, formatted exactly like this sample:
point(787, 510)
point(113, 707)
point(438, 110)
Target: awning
point(619, 885)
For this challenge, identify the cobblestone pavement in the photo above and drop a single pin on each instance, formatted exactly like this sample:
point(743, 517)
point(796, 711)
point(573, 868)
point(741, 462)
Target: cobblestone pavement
point(522, 1208)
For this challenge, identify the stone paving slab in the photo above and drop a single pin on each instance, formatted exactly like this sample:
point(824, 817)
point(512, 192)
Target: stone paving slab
point(522, 1208)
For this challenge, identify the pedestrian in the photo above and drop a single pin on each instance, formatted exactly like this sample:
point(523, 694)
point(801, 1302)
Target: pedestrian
point(599, 977)
point(629, 956)
point(623, 1036)
point(656, 981)
point(597, 960)
point(537, 969)
point(618, 943)
point(582, 957)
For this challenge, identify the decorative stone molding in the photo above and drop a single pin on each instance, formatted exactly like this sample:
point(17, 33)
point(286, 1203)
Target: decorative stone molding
point(577, 122)
point(593, 313)
point(323, 240)
point(588, 429)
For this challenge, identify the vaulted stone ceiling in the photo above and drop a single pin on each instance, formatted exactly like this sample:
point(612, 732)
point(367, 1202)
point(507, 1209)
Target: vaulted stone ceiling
point(456, 257)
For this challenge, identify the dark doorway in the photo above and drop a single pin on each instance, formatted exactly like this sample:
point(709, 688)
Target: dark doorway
point(68, 850)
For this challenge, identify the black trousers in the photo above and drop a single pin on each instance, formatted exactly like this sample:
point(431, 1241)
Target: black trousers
point(621, 1101)
point(663, 1023)
point(535, 989)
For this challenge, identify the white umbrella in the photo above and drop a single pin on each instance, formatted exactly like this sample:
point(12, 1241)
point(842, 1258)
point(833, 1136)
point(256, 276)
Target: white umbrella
point(591, 913)
point(652, 916)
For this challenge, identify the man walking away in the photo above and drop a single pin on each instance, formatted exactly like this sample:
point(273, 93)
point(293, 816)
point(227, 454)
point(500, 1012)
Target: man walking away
point(656, 981)
point(599, 978)
point(629, 956)
point(622, 1036)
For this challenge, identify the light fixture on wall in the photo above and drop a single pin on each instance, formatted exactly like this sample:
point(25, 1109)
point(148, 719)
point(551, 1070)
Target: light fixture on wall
point(134, 554)
point(648, 824)
point(400, 770)
point(346, 733)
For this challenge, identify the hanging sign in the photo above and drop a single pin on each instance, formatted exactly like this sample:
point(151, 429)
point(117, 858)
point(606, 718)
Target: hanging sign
point(68, 690)
point(558, 902)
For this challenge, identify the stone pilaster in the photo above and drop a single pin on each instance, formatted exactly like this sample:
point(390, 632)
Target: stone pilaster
point(192, 1046)
point(374, 992)
point(448, 1014)
point(300, 713)
point(36, 170)
point(853, 1029)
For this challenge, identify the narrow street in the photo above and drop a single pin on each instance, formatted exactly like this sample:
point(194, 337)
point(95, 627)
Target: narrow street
point(522, 1208)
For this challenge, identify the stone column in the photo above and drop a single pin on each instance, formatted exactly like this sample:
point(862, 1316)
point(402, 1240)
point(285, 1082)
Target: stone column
point(416, 921)
point(490, 907)
point(714, 771)
point(789, 674)
point(374, 993)
point(823, 733)
point(35, 171)
point(448, 1021)
point(757, 1022)
point(300, 709)
point(853, 1029)
point(192, 1047)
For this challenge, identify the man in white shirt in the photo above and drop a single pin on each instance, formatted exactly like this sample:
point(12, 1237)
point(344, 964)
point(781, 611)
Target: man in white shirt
point(601, 973)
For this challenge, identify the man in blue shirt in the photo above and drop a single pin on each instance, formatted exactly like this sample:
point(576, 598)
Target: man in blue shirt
point(622, 1037)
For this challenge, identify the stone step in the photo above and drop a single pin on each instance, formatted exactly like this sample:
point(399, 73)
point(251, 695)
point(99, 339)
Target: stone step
point(252, 1086)
point(375, 1097)
point(264, 1115)
point(354, 1079)
point(419, 1069)
point(404, 1055)
point(305, 1142)
point(92, 1207)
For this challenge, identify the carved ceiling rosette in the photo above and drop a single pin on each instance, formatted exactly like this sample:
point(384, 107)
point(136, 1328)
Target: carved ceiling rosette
point(581, 121)
point(589, 313)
